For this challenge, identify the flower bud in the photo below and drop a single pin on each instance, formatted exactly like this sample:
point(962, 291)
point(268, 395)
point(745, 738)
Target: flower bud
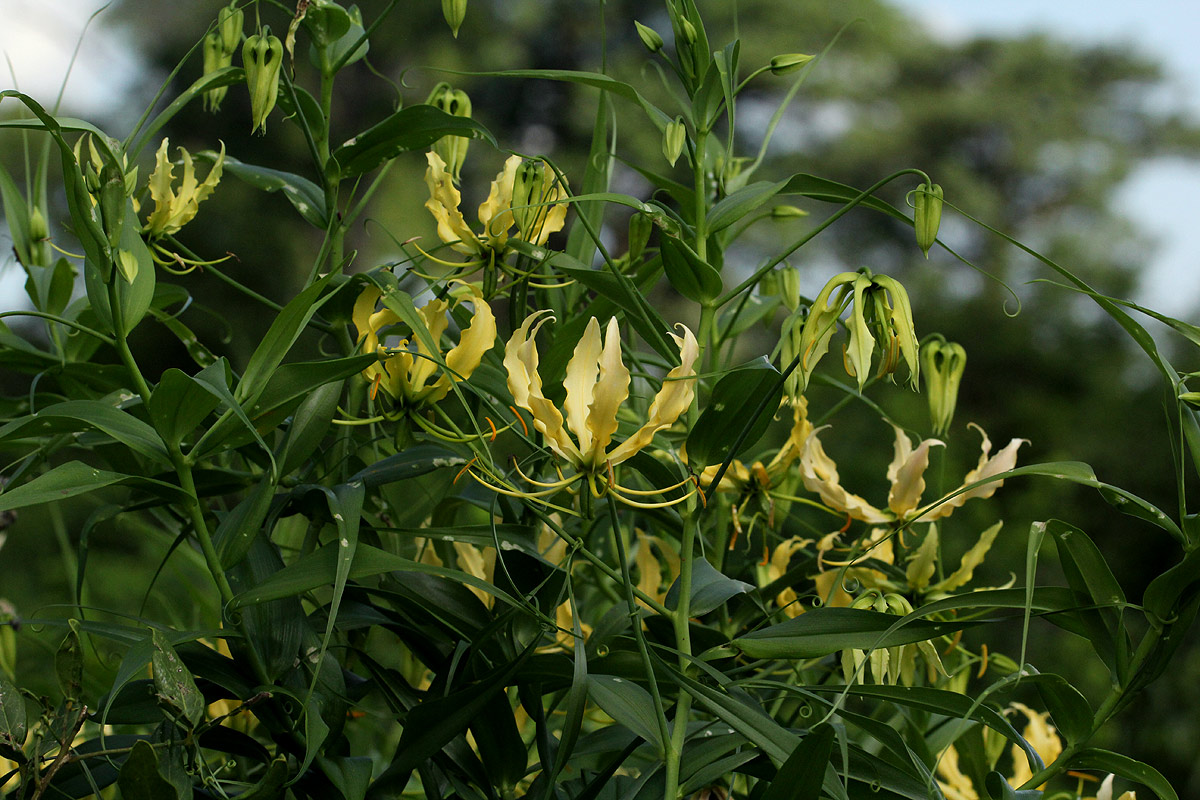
point(943, 364)
point(687, 31)
point(534, 187)
point(649, 37)
point(789, 287)
point(230, 20)
point(927, 215)
point(787, 212)
point(215, 58)
point(674, 137)
point(451, 149)
point(788, 62)
point(262, 57)
point(640, 226)
point(39, 231)
point(454, 11)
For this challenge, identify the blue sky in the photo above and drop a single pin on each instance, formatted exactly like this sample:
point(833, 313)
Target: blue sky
point(1160, 195)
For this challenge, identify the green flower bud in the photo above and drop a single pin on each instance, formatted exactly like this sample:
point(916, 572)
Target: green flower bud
point(788, 62)
point(787, 212)
point(230, 20)
point(262, 57)
point(215, 58)
point(451, 149)
point(674, 137)
point(649, 36)
point(943, 363)
point(535, 188)
point(454, 11)
point(927, 215)
point(640, 226)
point(39, 231)
point(687, 31)
point(789, 287)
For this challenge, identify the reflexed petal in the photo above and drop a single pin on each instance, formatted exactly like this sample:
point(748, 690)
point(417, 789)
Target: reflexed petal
point(1003, 461)
point(579, 382)
point(433, 315)
point(954, 783)
point(364, 307)
point(822, 322)
point(465, 357)
point(801, 428)
point(907, 474)
point(610, 391)
point(820, 475)
point(555, 217)
point(970, 560)
point(521, 362)
point(862, 343)
point(495, 212)
point(672, 399)
point(443, 203)
point(923, 561)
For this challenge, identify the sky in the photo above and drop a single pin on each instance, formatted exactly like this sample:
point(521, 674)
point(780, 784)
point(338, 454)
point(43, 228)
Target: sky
point(1158, 195)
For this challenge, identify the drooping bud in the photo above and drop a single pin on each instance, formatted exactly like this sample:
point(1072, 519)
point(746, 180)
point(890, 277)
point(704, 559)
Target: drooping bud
point(649, 36)
point(674, 137)
point(230, 20)
point(262, 57)
point(789, 62)
point(894, 329)
point(454, 11)
point(640, 226)
point(789, 287)
point(943, 364)
point(927, 215)
point(215, 58)
point(452, 149)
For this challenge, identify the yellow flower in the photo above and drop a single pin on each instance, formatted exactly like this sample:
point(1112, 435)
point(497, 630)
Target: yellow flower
point(495, 212)
point(405, 375)
point(597, 383)
point(174, 209)
point(906, 474)
point(1041, 736)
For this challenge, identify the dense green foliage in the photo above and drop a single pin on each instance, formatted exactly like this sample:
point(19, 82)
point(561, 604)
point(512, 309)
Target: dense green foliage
point(385, 540)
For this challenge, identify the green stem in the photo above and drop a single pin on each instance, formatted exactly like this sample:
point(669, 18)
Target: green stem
point(61, 321)
point(701, 183)
point(635, 619)
point(121, 342)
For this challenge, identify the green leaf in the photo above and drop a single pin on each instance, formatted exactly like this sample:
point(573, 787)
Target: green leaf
point(737, 205)
point(735, 398)
point(833, 192)
point(13, 725)
point(998, 788)
point(627, 703)
point(103, 416)
point(709, 589)
point(309, 425)
point(236, 532)
point(76, 478)
point(689, 275)
point(136, 295)
point(179, 404)
point(140, 778)
point(305, 196)
point(596, 178)
point(412, 128)
point(411, 462)
point(826, 630)
point(1126, 767)
point(745, 717)
point(270, 785)
point(215, 378)
point(174, 684)
point(802, 775)
point(1070, 710)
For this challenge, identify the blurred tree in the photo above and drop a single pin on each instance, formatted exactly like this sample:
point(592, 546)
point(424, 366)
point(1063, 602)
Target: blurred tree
point(1032, 135)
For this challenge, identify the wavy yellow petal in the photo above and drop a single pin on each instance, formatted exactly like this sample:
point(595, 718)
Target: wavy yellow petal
point(672, 399)
point(819, 473)
point(907, 474)
point(495, 212)
point(525, 384)
point(988, 467)
point(465, 357)
point(610, 391)
point(580, 380)
point(443, 203)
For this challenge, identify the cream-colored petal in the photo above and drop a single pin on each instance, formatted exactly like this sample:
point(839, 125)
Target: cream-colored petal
point(425, 364)
point(820, 475)
point(473, 343)
point(1042, 736)
point(791, 449)
point(988, 467)
point(907, 474)
point(954, 783)
point(970, 560)
point(364, 307)
point(579, 382)
point(672, 399)
point(862, 343)
point(521, 362)
point(923, 561)
point(554, 217)
point(610, 391)
point(443, 203)
point(495, 212)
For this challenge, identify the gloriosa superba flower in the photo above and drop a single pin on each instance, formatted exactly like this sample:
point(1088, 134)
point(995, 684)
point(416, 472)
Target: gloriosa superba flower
point(175, 207)
point(597, 384)
point(496, 212)
point(406, 375)
point(906, 473)
point(881, 315)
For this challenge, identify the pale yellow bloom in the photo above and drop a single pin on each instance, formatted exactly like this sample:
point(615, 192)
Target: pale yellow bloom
point(407, 376)
point(597, 384)
point(175, 208)
point(1106, 790)
point(495, 213)
point(1042, 737)
point(906, 474)
point(776, 567)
